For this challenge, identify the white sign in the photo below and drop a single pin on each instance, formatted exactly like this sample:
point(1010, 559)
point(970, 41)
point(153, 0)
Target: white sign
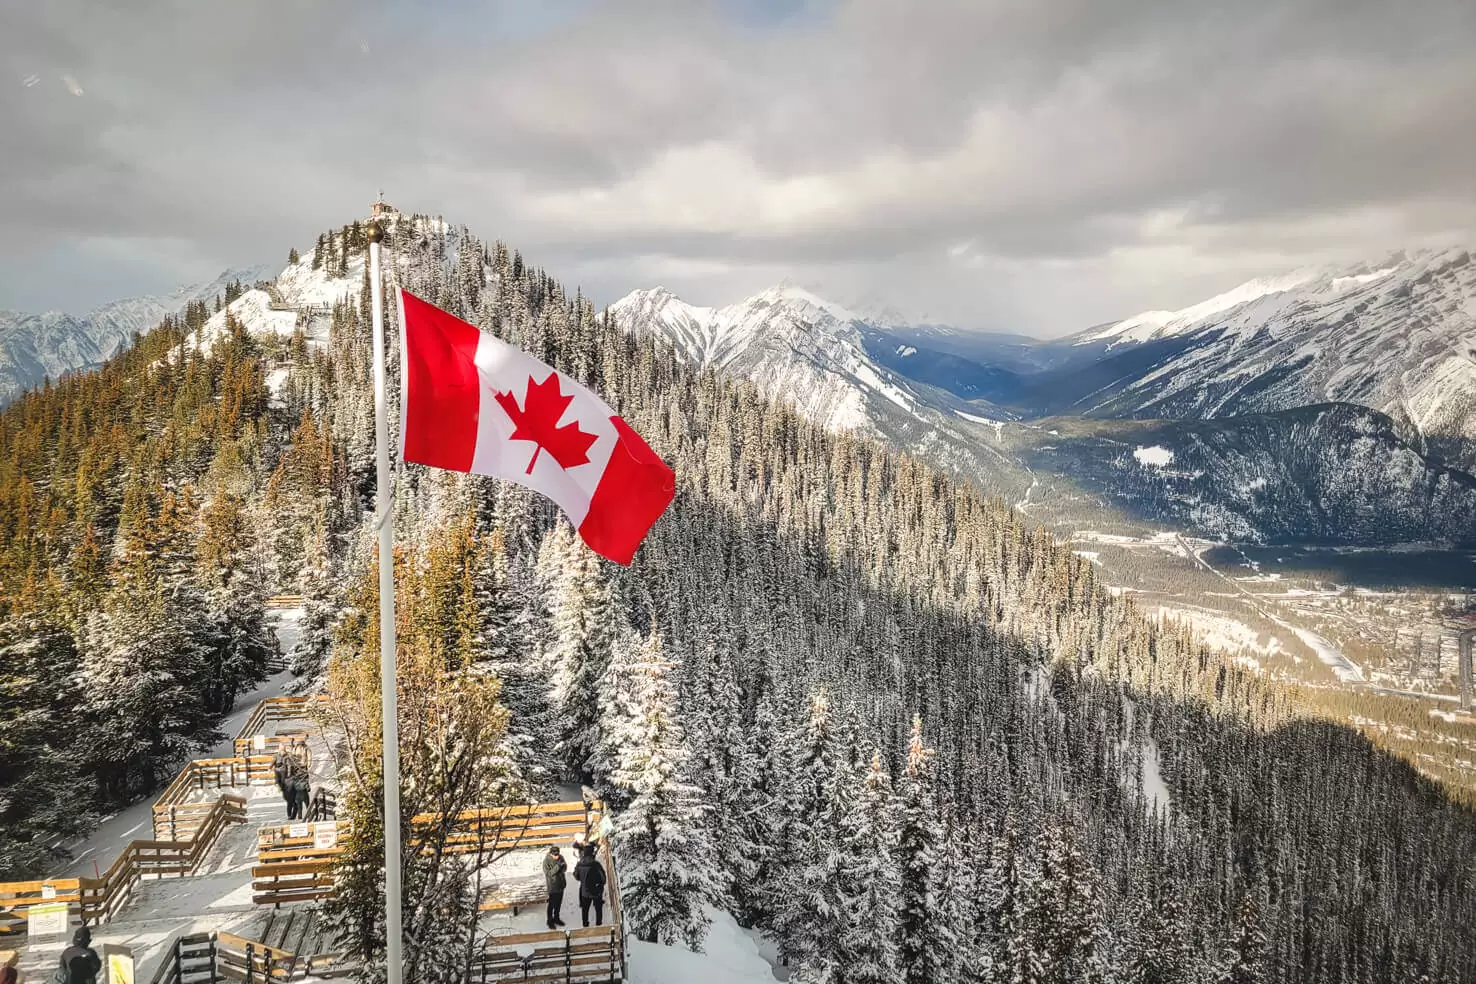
point(48, 891)
point(259, 742)
point(325, 836)
point(298, 830)
point(48, 920)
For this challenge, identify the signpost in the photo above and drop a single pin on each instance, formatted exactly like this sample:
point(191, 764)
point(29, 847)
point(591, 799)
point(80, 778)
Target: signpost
point(325, 835)
point(49, 919)
point(118, 962)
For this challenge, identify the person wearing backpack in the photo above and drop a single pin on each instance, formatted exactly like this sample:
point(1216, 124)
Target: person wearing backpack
point(591, 877)
point(80, 963)
point(301, 793)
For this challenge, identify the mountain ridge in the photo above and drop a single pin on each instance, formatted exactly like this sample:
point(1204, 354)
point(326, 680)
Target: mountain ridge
point(50, 344)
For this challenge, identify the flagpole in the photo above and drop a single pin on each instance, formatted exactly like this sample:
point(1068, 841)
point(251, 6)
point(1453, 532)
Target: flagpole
point(384, 505)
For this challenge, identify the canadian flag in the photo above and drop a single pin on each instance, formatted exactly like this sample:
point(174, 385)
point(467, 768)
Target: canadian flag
point(473, 403)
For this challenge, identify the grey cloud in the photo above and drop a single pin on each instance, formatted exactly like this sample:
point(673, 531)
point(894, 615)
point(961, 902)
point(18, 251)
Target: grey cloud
point(1264, 130)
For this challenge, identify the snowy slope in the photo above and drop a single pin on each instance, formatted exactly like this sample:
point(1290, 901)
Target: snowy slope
point(795, 345)
point(35, 346)
point(1398, 336)
point(256, 313)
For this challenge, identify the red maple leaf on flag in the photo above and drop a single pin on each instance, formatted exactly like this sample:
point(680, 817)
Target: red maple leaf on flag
point(538, 421)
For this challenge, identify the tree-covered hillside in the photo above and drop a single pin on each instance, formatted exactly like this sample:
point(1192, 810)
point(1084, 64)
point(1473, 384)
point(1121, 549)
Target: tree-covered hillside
point(872, 711)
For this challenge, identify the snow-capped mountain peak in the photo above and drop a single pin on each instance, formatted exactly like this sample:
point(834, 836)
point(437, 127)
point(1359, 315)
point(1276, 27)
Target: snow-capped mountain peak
point(1395, 335)
point(788, 339)
point(52, 344)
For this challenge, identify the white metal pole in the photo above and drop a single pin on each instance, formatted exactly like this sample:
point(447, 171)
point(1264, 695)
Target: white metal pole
point(384, 505)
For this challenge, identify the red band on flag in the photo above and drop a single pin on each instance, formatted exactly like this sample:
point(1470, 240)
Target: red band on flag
point(635, 489)
point(442, 390)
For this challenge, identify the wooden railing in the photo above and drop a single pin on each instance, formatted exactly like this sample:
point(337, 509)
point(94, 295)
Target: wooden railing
point(97, 900)
point(270, 710)
point(591, 954)
point(225, 956)
point(186, 825)
point(182, 808)
point(189, 958)
point(293, 869)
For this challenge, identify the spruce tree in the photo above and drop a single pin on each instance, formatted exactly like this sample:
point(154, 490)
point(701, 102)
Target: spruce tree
point(665, 859)
point(1248, 957)
point(927, 941)
point(42, 796)
point(870, 887)
point(583, 622)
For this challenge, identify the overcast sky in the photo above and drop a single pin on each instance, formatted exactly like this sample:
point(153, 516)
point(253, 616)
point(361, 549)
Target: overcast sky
point(1028, 165)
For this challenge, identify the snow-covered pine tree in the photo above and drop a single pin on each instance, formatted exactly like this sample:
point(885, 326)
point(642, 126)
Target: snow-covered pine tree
point(869, 884)
point(42, 798)
point(1160, 951)
point(1064, 911)
point(235, 600)
point(714, 729)
point(927, 939)
point(144, 679)
point(666, 867)
point(1006, 936)
point(1248, 957)
point(321, 600)
point(505, 646)
point(584, 623)
point(812, 909)
point(763, 795)
point(621, 706)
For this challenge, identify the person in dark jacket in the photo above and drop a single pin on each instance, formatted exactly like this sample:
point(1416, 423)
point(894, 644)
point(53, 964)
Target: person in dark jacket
point(279, 771)
point(80, 961)
point(554, 867)
point(289, 794)
point(302, 792)
point(590, 875)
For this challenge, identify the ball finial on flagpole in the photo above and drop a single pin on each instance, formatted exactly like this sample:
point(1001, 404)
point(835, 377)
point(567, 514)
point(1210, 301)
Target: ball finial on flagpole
point(373, 232)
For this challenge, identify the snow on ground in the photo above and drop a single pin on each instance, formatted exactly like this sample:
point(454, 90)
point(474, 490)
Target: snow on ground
point(302, 286)
point(1221, 632)
point(137, 821)
point(275, 380)
point(254, 311)
point(1346, 670)
point(289, 628)
point(998, 425)
point(1155, 790)
point(730, 956)
point(870, 379)
point(1156, 456)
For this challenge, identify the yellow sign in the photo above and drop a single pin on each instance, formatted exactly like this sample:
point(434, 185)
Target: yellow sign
point(119, 963)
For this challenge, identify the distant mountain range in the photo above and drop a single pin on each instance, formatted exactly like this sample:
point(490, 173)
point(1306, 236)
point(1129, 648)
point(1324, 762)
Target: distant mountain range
point(34, 347)
point(1328, 406)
